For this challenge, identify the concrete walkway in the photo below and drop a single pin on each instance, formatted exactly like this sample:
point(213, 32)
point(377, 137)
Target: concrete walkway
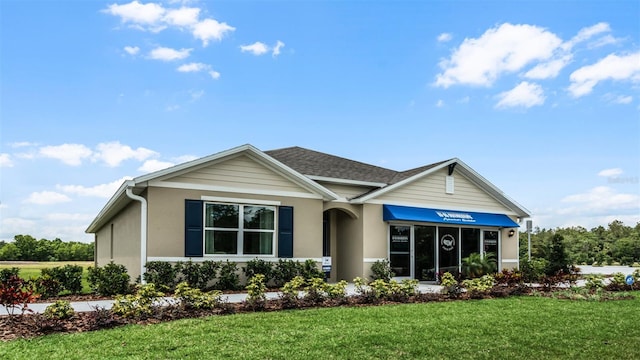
point(82, 306)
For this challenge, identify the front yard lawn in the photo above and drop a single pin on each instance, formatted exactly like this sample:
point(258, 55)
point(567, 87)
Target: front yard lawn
point(523, 327)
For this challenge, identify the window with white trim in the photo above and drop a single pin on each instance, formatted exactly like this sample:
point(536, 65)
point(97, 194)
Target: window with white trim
point(239, 229)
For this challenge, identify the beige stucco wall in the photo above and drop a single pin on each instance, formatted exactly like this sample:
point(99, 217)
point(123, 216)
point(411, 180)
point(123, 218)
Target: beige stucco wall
point(126, 240)
point(166, 221)
point(349, 233)
point(430, 192)
point(509, 249)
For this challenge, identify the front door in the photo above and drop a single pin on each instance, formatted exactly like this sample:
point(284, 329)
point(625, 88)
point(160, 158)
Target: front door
point(400, 250)
point(448, 243)
point(425, 251)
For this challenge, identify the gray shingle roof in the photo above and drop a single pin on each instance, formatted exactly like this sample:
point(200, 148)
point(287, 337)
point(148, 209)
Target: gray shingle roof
point(310, 162)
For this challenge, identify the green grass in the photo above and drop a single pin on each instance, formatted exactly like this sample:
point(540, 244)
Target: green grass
point(516, 328)
point(31, 270)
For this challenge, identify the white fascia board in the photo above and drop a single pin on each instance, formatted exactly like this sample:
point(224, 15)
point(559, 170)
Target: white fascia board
point(346, 181)
point(402, 183)
point(120, 193)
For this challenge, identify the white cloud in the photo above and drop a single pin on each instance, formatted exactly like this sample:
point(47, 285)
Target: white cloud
point(70, 154)
point(210, 29)
point(113, 153)
point(47, 198)
point(612, 67)
point(172, 107)
point(193, 67)
point(214, 74)
point(5, 160)
point(132, 50)
point(69, 217)
point(258, 48)
point(610, 172)
point(444, 37)
point(586, 34)
point(20, 144)
point(168, 54)
point(148, 15)
point(196, 95)
point(276, 49)
point(623, 99)
point(102, 190)
point(440, 103)
point(154, 165)
point(549, 69)
point(503, 49)
point(524, 94)
point(185, 16)
point(602, 41)
point(14, 225)
point(600, 200)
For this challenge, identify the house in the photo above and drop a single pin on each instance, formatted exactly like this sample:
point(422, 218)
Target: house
point(296, 203)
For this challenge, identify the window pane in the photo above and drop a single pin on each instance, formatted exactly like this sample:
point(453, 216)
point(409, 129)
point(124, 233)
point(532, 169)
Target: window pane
point(258, 243)
point(221, 242)
point(222, 216)
point(470, 242)
point(258, 217)
point(399, 240)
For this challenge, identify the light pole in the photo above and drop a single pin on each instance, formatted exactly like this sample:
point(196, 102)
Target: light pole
point(529, 225)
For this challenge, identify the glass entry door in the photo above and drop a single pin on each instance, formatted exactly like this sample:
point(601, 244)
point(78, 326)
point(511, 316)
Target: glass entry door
point(425, 251)
point(400, 250)
point(448, 243)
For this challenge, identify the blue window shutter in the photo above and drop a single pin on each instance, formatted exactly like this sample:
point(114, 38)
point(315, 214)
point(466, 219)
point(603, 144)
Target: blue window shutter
point(285, 231)
point(193, 229)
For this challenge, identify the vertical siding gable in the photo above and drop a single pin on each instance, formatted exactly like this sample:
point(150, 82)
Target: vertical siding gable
point(431, 190)
point(239, 172)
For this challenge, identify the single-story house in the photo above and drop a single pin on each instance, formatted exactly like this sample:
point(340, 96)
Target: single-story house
point(296, 203)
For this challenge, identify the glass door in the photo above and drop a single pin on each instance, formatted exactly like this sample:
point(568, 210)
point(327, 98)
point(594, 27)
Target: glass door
point(400, 250)
point(448, 249)
point(490, 242)
point(425, 251)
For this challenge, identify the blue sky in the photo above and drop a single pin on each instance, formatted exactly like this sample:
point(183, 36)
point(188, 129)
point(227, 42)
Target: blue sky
point(541, 97)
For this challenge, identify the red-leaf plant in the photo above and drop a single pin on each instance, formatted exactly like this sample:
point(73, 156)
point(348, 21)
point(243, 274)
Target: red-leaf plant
point(15, 294)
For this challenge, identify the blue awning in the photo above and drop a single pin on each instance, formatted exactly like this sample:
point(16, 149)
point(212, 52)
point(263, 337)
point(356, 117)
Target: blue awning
point(453, 217)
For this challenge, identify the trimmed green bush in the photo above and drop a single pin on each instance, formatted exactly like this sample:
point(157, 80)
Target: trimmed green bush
point(111, 279)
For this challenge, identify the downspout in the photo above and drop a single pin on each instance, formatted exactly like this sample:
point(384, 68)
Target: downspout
point(143, 232)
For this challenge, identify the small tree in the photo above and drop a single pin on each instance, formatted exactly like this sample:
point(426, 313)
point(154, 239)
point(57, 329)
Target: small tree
point(557, 256)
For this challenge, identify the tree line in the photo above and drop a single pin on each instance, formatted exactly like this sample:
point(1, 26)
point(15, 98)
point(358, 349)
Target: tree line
point(616, 243)
point(27, 248)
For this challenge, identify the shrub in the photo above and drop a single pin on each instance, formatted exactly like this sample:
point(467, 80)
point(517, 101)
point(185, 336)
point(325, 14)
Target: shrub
point(138, 305)
point(47, 286)
point(593, 282)
point(110, 279)
point(69, 277)
point(315, 290)
point(59, 310)
point(191, 273)
point(475, 265)
point(382, 270)
point(228, 278)
point(209, 270)
point(534, 270)
point(256, 289)
point(480, 286)
point(284, 271)
point(618, 283)
point(15, 294)
point(161, 273)
point(337, 291)
point(558, 260)
point(290, 291)
point(509, 277)
point(259, 266)
point(450, 286)
point(191, 298)
point(310, 270)
point(5, 274)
